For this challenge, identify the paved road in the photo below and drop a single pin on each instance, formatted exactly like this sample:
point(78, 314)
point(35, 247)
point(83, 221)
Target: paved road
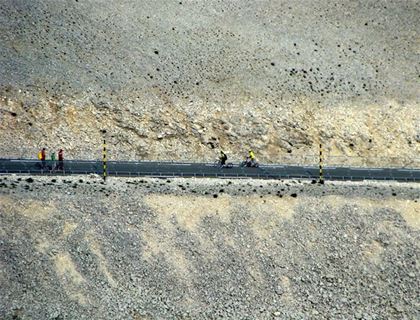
point(170, 169)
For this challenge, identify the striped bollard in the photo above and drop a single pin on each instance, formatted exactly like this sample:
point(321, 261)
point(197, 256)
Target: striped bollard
point(321, 173)
point(104, 160)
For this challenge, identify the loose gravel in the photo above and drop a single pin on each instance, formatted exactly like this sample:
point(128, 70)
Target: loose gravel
point(78, 248)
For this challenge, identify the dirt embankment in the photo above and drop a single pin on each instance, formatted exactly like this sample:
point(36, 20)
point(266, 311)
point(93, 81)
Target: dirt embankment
point(74, 248)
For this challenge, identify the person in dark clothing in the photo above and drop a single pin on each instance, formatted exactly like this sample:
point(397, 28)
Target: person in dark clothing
point(60, 160)
point(223, 158)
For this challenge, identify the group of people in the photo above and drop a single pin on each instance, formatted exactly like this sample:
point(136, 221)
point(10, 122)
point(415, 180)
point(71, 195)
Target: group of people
point(52, 165)
point(250, 158)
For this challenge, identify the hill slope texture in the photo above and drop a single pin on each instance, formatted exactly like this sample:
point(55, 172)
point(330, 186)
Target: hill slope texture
point(181, 79)
point(74, 248)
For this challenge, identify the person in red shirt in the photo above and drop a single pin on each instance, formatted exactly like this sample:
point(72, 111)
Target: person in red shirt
point(43, 157)
point(60, 160)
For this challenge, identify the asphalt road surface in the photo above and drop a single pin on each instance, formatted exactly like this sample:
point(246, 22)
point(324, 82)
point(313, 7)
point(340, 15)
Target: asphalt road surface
point(185, 169)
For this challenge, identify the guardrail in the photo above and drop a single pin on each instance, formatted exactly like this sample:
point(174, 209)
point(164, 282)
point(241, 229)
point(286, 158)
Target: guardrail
point(217, 175)
point(367, 162)
point(192, 169)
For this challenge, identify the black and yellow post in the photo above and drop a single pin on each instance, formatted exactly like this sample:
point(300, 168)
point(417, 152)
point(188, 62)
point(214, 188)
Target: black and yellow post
point(321, 172)
point(104, 160)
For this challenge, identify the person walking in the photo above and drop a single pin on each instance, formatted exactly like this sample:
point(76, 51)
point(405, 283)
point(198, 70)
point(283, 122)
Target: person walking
point(60, 160)
point(40, 158)
point(43, 158)
point(53, 161)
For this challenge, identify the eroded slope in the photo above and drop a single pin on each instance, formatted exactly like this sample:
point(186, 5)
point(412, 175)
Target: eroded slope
point(159, 249)
point(177, 79)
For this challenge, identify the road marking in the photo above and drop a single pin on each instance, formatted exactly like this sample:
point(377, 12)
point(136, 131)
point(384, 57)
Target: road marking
point(271, 166)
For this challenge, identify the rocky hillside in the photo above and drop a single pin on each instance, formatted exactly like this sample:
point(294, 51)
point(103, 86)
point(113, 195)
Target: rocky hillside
point(182, 79)
point(74, 248)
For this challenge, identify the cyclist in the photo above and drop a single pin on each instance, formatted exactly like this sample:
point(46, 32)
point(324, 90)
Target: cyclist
point(250, 159)
point(223, 158)
point(251, 155)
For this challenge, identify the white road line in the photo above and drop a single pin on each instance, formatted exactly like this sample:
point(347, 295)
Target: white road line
point(272, 167)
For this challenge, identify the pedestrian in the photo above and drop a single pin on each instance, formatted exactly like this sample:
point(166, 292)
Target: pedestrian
point(60, 160)
point(40, 157)
point(43, 158)
point(52, 160)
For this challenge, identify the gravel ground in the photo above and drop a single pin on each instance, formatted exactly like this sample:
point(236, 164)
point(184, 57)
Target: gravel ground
point(76, 248)
point(180, 80)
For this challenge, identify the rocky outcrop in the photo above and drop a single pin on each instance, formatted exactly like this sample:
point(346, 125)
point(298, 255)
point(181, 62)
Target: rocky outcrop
point(352, 136)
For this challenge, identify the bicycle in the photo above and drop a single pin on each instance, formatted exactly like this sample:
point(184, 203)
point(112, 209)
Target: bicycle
point(249, 163)
point(218, 164)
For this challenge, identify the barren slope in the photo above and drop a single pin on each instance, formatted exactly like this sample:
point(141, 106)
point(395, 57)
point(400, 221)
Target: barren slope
point(175, 79)
point(73, 248)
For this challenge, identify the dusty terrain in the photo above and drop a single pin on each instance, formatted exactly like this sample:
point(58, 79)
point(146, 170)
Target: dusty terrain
point(75, 248)
point(182, 79)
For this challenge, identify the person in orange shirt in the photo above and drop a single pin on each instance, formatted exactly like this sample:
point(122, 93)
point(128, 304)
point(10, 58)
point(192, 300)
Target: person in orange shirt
point(42, 156)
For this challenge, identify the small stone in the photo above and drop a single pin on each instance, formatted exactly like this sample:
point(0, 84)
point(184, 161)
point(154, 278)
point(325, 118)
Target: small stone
point(398, 307)
point(279, 290)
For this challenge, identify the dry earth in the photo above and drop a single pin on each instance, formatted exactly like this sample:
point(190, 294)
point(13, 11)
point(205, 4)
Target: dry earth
point(75, 248)
point(182, 79)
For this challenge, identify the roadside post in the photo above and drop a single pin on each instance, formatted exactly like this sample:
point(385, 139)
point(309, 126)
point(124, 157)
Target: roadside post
point(104, 158)
point(321, 172)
